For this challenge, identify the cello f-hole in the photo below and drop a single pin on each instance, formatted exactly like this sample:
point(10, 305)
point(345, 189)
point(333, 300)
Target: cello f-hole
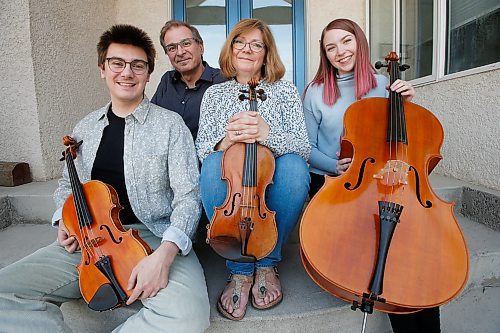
point(360, 174)
point(428, 204)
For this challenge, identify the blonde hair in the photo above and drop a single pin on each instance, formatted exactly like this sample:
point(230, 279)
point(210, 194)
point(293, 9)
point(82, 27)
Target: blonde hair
point(272, 69)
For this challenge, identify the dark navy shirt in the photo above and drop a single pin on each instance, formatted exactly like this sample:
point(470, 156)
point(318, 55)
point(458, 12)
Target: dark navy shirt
point(173, 94)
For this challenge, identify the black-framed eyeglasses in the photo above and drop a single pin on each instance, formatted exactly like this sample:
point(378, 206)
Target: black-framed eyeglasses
point(240, 44)
point(185, 43)
point(117, 65)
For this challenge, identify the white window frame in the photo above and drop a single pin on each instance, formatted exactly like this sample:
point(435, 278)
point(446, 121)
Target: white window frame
point(439, 44)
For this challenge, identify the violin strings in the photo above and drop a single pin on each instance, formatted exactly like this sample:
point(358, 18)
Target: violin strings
point(83, 214)
point(77, 197)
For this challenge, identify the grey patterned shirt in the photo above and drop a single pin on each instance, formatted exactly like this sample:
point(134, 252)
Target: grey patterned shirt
point(160, 167)
point(282, 111)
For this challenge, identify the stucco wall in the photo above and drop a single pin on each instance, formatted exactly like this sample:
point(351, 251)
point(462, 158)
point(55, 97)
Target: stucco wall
point(51, 78)
point(469, 110)
point(19, 134)
point(68, 85)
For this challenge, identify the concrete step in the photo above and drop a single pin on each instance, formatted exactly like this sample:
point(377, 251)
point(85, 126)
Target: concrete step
point(306, 307)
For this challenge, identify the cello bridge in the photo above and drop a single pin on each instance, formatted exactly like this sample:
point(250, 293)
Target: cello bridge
point(394, 172)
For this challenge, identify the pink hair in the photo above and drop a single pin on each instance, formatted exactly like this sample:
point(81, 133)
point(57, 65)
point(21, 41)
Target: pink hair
point(364, 78)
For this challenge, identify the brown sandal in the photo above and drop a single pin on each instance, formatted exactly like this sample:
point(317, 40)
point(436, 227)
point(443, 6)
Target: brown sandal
point(239, 280)
point(262, 283)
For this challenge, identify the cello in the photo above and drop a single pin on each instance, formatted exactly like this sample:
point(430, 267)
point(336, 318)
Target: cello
point(378, 236)
point(243, 229)
point(109, 252)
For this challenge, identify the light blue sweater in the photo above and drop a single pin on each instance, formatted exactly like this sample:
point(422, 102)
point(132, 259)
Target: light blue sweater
point(325, 123)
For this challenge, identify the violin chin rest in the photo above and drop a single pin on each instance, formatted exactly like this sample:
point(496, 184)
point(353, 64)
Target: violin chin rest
point(104, 299)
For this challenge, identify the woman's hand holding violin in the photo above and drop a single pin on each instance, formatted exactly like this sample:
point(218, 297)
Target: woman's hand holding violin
point(247, 127)
point(404, 88)
point(343, 164)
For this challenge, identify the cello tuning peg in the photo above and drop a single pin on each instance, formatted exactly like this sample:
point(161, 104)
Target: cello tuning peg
point(242, 97)
point(404, 67)
point(244, 91)
point(379, 65)
point(263, 97)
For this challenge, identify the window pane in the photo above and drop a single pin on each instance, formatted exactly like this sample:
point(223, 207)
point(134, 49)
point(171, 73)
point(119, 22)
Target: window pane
point(473, 34)
point(209, 17)
point(417, 37)
point(278, 15)
point(381, 30)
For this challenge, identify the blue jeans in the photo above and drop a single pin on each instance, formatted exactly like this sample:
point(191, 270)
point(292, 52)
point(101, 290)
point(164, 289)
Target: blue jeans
point(286, 196)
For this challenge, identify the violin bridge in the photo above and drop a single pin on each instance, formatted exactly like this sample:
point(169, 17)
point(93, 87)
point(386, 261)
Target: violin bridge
point(394, 172)
point(94, 242)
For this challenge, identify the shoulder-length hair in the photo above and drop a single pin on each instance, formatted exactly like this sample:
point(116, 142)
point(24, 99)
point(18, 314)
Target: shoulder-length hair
point(272, 69)
point(364, 78)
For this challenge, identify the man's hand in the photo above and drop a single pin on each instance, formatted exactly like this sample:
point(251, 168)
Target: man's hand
point(63, 238)
point(151, 273)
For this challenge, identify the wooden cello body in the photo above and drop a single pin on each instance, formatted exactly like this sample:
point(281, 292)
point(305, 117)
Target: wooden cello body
point(109, 252)
point(243, 228)
point(378, 236)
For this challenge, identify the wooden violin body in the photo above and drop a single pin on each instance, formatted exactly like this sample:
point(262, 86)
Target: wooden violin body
point(422, 261)
point(109, 252)
point(243, 228)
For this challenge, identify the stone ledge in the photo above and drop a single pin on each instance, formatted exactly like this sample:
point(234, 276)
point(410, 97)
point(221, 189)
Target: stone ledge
point(480, 206)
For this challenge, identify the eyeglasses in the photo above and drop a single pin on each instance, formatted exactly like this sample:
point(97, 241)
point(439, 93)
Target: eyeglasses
point(185, 43)
point(254, 46)
point(117, 65)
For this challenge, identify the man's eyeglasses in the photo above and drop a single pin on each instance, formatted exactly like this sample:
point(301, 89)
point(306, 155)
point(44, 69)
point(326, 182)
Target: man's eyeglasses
point(240, 44)
point(117, 65)
point(185, 43)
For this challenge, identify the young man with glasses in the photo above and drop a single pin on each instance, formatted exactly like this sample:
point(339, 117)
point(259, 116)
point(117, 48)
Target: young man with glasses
point(182, 88)
point(147, 154)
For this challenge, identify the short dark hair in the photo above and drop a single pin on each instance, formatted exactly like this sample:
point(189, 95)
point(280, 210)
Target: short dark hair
point(126, 34)
point(175, 23)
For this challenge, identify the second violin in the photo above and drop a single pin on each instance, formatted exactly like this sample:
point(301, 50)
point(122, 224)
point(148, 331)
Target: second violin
point(243, 228)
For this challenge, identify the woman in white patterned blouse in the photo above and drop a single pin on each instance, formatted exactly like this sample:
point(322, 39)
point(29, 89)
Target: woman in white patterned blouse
point(250, 52)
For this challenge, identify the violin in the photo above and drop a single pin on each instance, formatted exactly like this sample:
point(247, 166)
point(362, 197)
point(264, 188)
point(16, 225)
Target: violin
point(378, 236)
point(109, 252)
point(243, 228)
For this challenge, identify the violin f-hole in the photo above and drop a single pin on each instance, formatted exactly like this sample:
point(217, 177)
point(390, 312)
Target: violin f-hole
point(111, 234)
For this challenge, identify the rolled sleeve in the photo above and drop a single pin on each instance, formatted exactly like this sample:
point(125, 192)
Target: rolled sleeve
point(179, 238)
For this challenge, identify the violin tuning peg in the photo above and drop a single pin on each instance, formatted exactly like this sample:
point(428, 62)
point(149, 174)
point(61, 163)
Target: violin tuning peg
point(242, 97)
point(263, 97)
point(379, 65)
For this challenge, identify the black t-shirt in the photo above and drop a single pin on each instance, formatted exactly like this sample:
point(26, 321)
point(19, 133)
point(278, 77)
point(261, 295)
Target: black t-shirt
point(108, 164)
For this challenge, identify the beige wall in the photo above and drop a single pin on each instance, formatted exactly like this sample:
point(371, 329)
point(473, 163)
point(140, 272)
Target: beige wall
point(19, 134)
point(469, 110)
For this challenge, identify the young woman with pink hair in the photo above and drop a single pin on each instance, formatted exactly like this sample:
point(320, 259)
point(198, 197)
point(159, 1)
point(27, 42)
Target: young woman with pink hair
point(345, 76)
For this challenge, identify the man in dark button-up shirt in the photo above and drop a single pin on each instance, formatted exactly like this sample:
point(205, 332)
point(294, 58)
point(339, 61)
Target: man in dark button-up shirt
point(182, 89)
